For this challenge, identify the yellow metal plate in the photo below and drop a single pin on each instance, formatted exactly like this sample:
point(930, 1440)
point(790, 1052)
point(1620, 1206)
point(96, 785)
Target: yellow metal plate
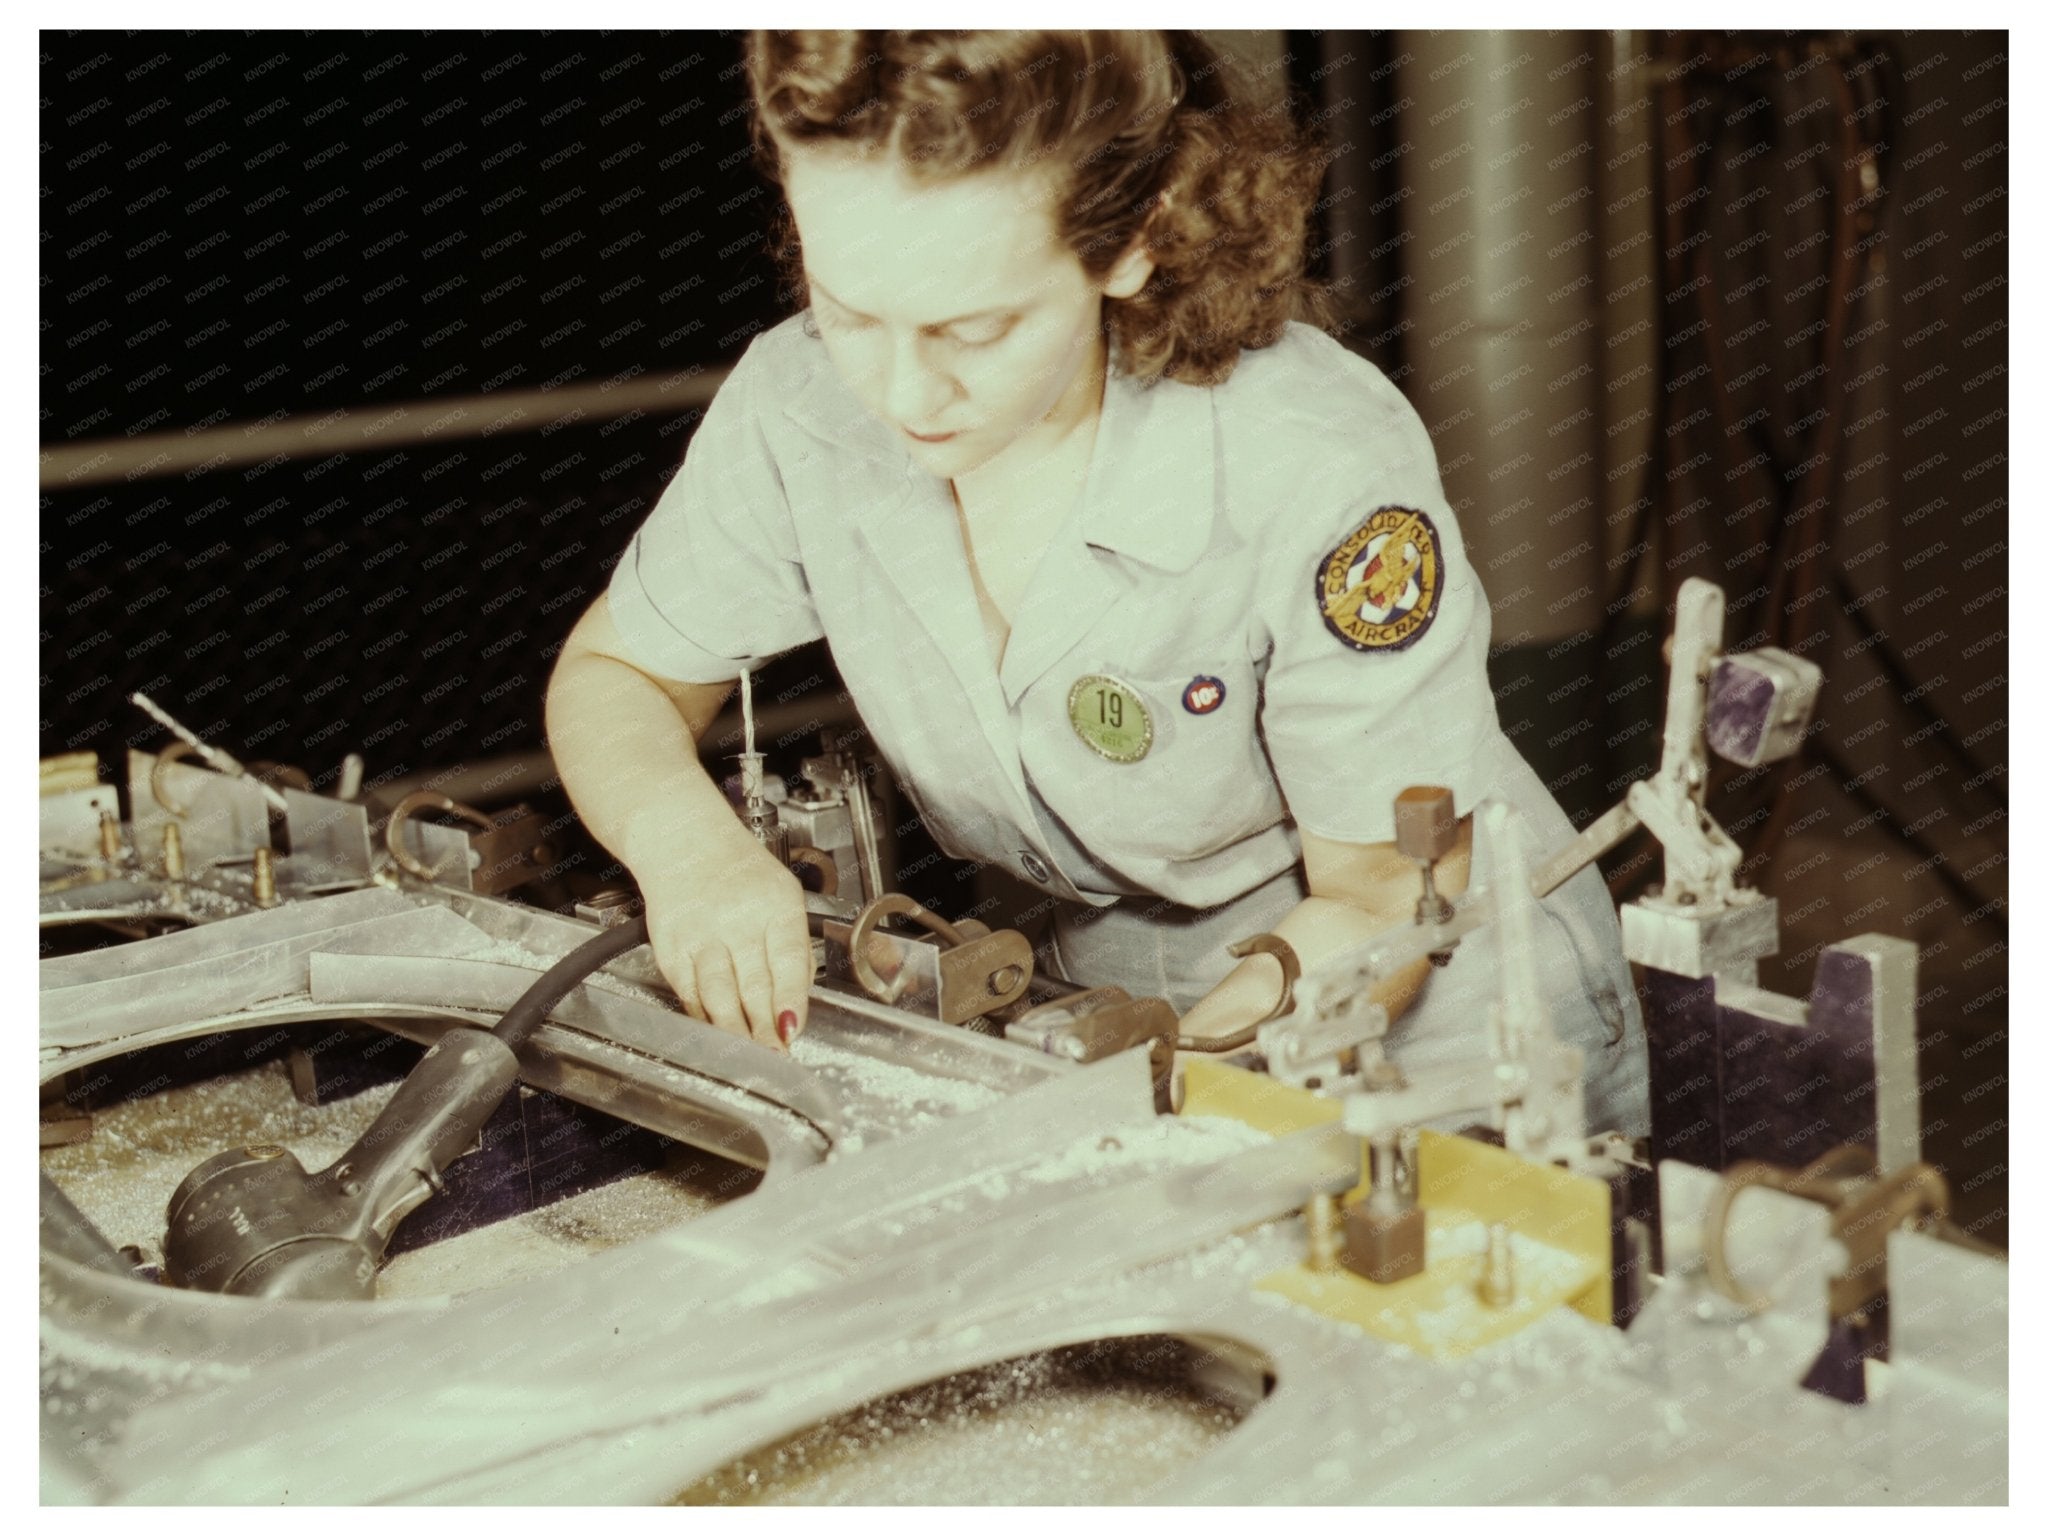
point(1438, 1312)
point(1212, 1088)
point(1548, 1205)
point(1558, 1223)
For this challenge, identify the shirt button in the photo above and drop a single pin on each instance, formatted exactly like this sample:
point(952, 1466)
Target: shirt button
point(1034, 866)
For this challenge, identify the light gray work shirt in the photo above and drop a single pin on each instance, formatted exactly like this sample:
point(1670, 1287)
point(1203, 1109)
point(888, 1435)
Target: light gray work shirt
point(1267, 565)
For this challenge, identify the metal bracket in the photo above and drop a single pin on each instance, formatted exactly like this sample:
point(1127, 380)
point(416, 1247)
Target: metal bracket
point(961, 973)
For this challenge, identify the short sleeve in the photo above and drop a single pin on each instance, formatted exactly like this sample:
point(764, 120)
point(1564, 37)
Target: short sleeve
point(713, 581)
point(1376, 679)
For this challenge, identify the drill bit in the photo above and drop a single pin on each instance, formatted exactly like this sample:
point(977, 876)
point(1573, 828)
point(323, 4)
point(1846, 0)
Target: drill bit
point(750, 760)
point(760, 816)
point(221, 761)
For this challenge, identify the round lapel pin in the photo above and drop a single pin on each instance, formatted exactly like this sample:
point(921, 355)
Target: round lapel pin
point(1110, 717)
point(1203, 696)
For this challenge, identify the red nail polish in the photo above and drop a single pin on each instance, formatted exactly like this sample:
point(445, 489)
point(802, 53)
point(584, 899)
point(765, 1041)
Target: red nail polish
point(785, 1025)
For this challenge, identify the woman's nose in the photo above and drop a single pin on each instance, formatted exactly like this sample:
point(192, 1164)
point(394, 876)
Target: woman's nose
point(914, 392)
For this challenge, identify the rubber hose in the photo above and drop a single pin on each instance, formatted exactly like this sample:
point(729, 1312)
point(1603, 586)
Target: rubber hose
point(560, 979)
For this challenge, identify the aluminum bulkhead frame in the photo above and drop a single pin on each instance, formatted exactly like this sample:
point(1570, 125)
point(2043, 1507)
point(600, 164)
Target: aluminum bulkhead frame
point(353, 1387)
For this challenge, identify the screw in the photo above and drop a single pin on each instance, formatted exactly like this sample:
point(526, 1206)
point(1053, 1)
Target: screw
point(263, 879)
point(1325, 1233)
point(110, 836)
point(1497, 1270)
point(1408, 1168)
point(1386, 1187)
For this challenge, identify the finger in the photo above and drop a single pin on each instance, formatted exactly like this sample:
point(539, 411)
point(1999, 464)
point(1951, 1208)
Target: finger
point(789, 965)
point(672, 956)
point(681, 977)
point(678, 973)
point(717, 989)
point(757, 997)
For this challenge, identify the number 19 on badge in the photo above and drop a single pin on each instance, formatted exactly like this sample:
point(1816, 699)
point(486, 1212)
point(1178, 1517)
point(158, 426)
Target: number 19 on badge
point(1110, 717)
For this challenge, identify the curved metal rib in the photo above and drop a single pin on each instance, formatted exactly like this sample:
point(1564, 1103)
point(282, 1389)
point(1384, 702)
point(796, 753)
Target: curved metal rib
point(704, 1067)
point(223, 968)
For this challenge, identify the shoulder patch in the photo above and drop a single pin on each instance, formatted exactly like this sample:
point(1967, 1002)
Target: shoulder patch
point(1378, 589)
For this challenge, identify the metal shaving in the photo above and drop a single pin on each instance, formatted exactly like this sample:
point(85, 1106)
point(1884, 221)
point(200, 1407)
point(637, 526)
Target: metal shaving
point(555, 1236)
point(1072, 1426)
point(886, 1080)
point(1169, 1141)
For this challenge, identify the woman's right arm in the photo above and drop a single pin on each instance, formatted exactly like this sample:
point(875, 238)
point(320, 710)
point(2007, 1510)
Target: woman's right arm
point(726, 920)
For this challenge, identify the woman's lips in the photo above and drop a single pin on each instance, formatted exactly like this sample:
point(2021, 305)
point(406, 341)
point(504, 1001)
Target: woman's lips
point(940, 437)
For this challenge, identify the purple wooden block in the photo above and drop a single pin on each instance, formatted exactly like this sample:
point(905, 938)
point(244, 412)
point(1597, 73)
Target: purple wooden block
point(1683, 1025)
point(1837, 1371)
point(1774, 1090)
point(1727, 1084)
point(1631, 1195)
point(1842, 1008)
point(1789, 1093)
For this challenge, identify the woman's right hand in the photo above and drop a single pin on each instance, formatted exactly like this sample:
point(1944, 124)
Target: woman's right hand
point(731, 937)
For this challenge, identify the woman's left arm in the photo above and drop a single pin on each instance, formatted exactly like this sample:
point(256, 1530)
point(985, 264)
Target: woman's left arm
point(1356, 890)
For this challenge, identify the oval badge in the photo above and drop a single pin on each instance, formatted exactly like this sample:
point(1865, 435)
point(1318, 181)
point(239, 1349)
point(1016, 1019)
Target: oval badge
point(1110, 716)
point(1203, 696)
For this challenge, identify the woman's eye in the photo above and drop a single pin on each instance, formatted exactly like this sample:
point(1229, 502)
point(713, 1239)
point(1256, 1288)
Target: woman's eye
point(986, 334)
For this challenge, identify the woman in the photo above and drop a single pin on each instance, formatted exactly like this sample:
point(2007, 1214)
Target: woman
point(1148, 593)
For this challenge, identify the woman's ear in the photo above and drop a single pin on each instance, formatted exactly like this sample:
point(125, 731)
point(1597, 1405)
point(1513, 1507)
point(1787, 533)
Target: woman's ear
point(1131, 272)
point(1134, 268)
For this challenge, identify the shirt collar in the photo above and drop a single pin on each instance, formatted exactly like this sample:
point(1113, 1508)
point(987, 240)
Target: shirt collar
point(1151, 492)
point(1152, 485)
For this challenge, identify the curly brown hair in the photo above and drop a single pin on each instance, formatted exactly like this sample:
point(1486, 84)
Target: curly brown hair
point(1152, 132)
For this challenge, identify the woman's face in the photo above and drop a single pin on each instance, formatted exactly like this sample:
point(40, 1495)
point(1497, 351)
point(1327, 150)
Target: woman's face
point(951, 309)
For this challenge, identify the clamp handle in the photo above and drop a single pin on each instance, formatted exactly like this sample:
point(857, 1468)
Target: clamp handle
point(426, 800)
point(892, 904)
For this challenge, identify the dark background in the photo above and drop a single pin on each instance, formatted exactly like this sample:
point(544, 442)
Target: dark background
point(239, 226)
point(278, 227)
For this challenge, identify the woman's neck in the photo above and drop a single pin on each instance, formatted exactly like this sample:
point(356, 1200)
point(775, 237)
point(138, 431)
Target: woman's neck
point(1065, 435)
